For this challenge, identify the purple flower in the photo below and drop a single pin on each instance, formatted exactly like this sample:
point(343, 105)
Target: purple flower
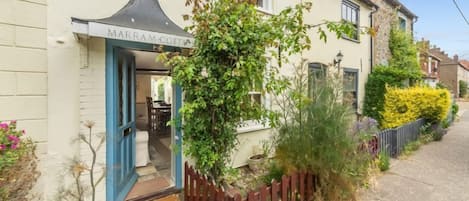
point(2, 147)
point(23, 131)
point(4, 125)
point(13, 138)
point(14, 145)
point(373, 122)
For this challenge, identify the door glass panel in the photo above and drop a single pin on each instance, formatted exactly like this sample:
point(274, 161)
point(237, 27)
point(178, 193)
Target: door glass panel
point(120, 77)
point(129, 91)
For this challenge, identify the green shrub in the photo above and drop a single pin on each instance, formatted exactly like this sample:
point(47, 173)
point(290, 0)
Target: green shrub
point(406, 105)
point(403, 51)
point(403, 70)
point(375, 88)
point(410, 147)
point(18, 163)
point(315, 136)
point(438, 132)
point(462, 88)
point(383, 161)
point(426, 134)
point(275, 172)
point(454, 109)
point(441, 85)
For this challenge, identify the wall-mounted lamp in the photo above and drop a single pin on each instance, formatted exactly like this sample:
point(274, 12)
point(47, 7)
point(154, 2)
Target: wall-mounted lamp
point(338, 58)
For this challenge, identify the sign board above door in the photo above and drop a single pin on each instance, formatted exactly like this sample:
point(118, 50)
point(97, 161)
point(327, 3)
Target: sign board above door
point(139, 21)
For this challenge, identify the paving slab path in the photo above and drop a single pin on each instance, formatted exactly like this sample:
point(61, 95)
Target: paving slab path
point(438, 171)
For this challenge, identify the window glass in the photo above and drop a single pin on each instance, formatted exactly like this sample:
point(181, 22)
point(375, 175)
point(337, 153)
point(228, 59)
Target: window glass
point(402, 23)
point(120, 77)
point(264, 4)
point(350, 13)
point(350, 88)
point(316, 73)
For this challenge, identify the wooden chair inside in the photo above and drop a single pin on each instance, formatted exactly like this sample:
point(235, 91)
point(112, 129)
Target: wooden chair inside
point(152, 117)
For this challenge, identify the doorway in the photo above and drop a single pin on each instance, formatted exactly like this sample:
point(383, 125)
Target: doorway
point(141, 157)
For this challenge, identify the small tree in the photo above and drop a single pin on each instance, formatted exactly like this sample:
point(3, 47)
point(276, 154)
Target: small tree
point(237, 49)
point(315, 135)
point(403, 51)
point(462, 88)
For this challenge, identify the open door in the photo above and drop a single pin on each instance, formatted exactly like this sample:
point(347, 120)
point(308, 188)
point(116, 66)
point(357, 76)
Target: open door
point(123, 133)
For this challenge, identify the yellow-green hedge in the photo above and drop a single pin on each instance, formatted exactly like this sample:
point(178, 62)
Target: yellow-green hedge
point(402, 106)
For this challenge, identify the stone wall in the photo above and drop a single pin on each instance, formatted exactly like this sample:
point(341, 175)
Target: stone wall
point(382, 21)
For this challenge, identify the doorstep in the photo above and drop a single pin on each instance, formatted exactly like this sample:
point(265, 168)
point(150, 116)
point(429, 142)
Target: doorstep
point(169, 194)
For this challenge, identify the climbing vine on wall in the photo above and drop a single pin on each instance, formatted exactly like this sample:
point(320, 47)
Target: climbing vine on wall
point(237, 49)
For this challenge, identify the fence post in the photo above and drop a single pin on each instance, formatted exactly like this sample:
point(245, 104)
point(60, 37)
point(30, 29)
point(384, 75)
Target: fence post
point(393, 142)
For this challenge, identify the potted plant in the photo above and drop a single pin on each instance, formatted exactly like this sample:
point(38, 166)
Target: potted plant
point(258, 159)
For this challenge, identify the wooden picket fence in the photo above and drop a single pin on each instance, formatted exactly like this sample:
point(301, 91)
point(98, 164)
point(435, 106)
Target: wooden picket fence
point(299, 186)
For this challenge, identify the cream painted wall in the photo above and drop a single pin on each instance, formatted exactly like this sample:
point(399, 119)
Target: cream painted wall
point(356, 54)
point(76, 88)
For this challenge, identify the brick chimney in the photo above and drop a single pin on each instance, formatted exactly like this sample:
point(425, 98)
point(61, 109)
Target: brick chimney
point(456, 58)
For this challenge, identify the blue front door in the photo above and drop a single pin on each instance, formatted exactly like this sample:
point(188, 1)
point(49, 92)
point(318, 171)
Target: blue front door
point(120, 120)
point(123, 133)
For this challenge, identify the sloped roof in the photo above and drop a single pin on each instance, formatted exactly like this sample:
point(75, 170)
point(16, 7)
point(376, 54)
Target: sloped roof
point(369, 3)
point(144, 15)
point(465, 64)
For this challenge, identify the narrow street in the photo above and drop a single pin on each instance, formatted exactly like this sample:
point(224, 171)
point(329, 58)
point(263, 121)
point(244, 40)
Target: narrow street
point(438, 171)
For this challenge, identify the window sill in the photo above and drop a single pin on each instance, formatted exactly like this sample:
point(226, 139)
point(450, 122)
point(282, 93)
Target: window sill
point(251, 126)
point(262, 10)
point(351, 39)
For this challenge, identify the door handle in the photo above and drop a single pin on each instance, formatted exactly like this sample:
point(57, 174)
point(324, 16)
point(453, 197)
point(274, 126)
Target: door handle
point(127, 131)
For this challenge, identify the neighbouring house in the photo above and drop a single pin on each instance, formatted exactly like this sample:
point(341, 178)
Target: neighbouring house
point(389, 13)
point(451, 70)
point(66, 62)
point(429, 64)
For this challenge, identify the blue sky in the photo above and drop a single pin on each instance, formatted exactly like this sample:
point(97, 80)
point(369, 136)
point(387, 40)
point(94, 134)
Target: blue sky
point(441, 23)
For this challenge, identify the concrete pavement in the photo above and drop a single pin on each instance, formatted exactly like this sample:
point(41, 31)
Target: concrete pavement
point(438, 171)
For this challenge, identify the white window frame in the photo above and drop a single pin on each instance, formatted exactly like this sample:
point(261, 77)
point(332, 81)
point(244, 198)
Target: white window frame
point(266, 7)
point(252, 125)
point(402, 17)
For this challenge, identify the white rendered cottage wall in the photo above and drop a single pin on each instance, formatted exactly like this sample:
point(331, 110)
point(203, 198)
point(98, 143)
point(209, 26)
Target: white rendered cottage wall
point(76, 88)
point(356, 53)
point(23, 69)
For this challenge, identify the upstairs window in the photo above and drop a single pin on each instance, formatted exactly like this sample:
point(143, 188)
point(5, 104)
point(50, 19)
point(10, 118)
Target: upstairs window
point(402, 23)
point(350, 13)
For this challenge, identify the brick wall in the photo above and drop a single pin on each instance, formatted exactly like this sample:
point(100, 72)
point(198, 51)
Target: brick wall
point(449, 77)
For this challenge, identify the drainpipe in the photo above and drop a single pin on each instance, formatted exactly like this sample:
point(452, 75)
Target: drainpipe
point(412, 25)
point(374, 10)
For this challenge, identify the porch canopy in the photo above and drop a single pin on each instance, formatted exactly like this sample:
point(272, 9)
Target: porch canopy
point(139, 21)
